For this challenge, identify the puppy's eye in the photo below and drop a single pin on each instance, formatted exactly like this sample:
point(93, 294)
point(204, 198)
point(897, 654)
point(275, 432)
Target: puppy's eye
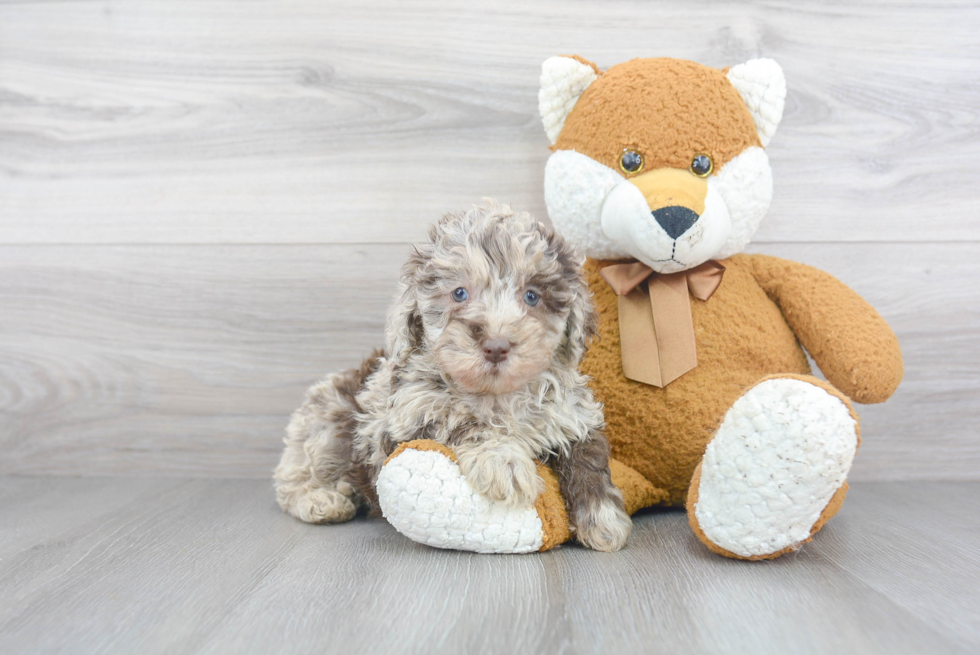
point(631, 161)
point(460, 294)
point(702, 166)
point(531, 298)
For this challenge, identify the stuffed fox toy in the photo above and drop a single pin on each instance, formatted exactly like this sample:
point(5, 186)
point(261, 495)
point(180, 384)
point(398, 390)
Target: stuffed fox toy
point(659, 175)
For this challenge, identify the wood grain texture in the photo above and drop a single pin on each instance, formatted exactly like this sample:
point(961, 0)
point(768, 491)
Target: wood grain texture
point(136, 360)
point(183, 359)
point(206, 566)
point(329, 122)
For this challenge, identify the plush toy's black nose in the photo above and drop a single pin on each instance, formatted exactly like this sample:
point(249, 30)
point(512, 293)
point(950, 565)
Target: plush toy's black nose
point(675, 220)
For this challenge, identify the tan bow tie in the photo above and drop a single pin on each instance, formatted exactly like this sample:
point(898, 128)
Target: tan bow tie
point(656, 329)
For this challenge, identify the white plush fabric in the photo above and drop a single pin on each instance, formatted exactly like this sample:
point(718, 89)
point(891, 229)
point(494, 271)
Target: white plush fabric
point(745, 185)
point(763, 87)
point(575, 188)
point(563, 80)
point(782, 451)
point(426, 498)
point(603, 215)
point(628, 222)
point(606, 217)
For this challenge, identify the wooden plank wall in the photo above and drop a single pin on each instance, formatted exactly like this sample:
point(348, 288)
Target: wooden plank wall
point(204, 204)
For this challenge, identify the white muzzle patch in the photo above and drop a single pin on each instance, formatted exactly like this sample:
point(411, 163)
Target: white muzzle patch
point(627, 221)
point(607, 217)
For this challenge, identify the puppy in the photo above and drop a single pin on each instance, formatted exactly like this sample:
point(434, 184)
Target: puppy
point(482, 350)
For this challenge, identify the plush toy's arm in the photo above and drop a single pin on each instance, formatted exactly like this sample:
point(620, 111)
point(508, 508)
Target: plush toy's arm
point(847, 338)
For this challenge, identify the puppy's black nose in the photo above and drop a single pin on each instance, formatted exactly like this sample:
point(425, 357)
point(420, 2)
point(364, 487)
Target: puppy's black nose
point(675, 220)
point(495, 350)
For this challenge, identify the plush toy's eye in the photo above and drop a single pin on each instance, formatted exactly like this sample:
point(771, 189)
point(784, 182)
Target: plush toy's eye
point(531, 298)
point(631, 161)
point(702, 166)
point(460, 294)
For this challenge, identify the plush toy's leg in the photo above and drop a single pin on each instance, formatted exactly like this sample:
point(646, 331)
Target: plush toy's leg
point(775, 471)
point(637, 491)
point(424, 496)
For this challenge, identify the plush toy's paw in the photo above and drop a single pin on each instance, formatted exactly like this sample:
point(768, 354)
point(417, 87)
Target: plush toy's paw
point(775, 470)
point(502, 475)
point(425, 496)
point(606, 527)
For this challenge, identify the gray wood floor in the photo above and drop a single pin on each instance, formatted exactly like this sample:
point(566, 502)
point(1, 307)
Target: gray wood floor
point(212, 566)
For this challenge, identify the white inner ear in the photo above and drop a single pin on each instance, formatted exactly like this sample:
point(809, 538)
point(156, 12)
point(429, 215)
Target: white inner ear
point(762, 86)
point(563, 80)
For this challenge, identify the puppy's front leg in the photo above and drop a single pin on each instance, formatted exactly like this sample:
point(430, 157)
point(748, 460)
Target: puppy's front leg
point(595, 505)
point(501, 470)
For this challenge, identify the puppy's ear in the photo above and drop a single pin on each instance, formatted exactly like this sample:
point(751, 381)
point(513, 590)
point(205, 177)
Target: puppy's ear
point(583, 321)
point(404, 331)
point(581, 327)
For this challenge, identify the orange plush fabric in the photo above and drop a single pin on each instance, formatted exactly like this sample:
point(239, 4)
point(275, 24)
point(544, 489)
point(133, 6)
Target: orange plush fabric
point(764, 313)
point(667, 109)
point(637, 490)
point(849, 341)
point(743, 337)
point(551, 509)
point(424, 445)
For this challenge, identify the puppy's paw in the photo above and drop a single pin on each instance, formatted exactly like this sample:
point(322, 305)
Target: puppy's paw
point(605, 527)
point(323, 506)
point(502, 476)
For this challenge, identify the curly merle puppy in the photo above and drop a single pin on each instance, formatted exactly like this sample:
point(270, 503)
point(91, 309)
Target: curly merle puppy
point(482, 349)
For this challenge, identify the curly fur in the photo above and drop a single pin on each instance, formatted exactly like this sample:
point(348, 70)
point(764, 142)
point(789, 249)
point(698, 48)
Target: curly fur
point(433, 381)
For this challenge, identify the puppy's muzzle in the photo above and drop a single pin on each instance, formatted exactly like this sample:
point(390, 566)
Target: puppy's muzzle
point(495, 350)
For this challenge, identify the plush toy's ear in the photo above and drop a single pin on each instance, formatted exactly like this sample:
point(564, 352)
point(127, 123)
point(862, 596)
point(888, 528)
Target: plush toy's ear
point(563, 80)
point(403, 330)
point(762, 86)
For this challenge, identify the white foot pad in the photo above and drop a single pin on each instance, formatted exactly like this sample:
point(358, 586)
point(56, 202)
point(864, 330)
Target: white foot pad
point(781, 453)
point(427, 499)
